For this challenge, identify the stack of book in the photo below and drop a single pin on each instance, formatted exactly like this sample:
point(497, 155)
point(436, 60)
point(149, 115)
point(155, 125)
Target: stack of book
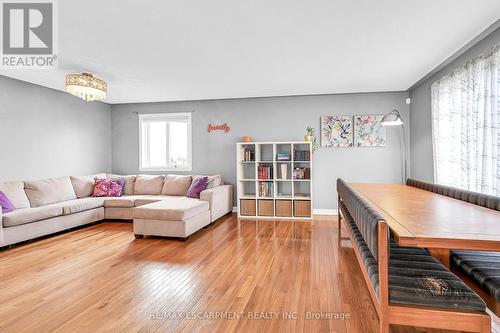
point(266, 189)
point(265, 172)
point(283, 157)
point(302, 155)
point(247, 155)
point(302, 173)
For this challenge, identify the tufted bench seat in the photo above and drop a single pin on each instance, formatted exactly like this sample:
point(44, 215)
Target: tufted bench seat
point(407, 285)
point(483, 269)
point(415, 277)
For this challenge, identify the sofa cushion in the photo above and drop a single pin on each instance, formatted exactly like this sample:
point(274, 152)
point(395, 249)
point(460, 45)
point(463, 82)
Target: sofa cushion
point(83, 185)
point(29, 215)
point(124, 201)
point(176, 185)
point(128, 189)
point(171, 209)
point(16, 194)
point(148, 184)
point(80, 205)
point(46, 191)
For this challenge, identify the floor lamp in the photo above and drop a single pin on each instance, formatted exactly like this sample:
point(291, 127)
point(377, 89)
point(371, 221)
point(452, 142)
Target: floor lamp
point(394, 119)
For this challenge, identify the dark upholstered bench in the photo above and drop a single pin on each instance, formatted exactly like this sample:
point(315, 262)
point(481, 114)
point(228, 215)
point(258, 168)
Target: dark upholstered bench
point(407, 285)
point(482, 269)
point(478, 269)
point(475, 198)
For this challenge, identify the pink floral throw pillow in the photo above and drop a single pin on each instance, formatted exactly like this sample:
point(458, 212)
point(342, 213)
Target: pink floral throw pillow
point(108, 187)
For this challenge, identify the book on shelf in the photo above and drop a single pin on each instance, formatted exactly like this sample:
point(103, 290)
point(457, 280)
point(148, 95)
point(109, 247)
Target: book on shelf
point(247, 155)
point(302, 155)
point(265, 172)
point(302, 173)
point(284, 171)
point(302, 195)
point(283, 157)
point(266, 189)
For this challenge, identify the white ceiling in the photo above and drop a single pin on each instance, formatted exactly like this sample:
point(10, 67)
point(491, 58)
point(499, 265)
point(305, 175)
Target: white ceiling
point(197, 49)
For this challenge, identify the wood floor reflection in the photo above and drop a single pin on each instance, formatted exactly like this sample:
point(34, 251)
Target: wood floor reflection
point(235, 276)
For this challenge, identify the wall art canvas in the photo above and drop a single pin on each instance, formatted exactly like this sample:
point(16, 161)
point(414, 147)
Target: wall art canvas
point(368, 131)
point(336, 131)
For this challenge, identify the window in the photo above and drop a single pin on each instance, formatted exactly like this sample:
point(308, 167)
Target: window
point(165, 142)
point(466, 126)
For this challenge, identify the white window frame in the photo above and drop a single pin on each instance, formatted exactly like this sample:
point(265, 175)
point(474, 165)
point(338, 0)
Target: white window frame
point(167, 117)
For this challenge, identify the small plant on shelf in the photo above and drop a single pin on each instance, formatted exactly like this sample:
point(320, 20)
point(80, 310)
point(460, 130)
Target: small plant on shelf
point(311, 137)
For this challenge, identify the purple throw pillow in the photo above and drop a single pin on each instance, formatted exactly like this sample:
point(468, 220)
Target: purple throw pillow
point(108, 187)
point(197, 186)
point(5, 203)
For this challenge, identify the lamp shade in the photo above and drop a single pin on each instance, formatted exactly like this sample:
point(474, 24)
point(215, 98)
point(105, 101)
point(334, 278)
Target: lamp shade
point(392, 119)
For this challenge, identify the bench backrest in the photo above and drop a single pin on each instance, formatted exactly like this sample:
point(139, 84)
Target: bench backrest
point(363, 214)
point(480, 199)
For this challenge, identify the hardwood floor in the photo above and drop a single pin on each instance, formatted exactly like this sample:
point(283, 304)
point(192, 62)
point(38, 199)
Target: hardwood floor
point(100, 279)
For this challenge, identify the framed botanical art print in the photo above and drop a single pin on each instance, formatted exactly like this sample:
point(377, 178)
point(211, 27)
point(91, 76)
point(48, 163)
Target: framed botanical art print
point(368, 131)
point(336, 131)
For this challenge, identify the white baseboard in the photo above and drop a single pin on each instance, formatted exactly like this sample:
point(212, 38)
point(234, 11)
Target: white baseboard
point(320, 211)
point(317, 211)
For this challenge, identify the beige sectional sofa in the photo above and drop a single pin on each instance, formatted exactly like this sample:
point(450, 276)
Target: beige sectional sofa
point(51, 205)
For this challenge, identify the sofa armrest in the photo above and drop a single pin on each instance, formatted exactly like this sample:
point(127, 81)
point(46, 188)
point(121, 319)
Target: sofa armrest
point(220, 200)
point(2, 236)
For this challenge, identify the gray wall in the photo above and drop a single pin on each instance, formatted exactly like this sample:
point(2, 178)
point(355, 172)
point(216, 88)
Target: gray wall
point(271, 119)
point(420, 110)
point(48, 133)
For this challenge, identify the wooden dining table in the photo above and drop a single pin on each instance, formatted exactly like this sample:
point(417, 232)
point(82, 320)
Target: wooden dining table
point(419, 218)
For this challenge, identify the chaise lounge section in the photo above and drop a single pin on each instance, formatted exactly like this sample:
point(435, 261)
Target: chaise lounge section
point(48, 206)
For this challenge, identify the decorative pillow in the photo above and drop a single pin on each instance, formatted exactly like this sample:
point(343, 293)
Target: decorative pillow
point(198, 185)
point(128, 189)
point(108, 187)
point(5, 203)
point(176, 185)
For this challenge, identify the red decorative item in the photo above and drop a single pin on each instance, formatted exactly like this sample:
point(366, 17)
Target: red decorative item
point(222, 127)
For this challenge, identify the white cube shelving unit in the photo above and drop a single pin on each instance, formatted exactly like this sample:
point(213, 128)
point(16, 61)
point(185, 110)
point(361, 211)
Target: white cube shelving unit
point(274, 195)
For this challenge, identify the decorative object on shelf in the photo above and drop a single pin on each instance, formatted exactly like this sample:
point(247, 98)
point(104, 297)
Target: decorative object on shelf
point(309, 134)
point(222, 127)
point(246, 138)
point(336, 131)
point(394, 118)
point(86, 86)
point(368, 131)
point(311, 137)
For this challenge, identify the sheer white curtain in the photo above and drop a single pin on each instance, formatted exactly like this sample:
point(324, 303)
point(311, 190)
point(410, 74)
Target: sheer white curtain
point(466, 126)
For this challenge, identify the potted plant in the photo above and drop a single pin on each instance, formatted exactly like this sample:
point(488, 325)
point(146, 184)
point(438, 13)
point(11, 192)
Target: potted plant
point(309, 134)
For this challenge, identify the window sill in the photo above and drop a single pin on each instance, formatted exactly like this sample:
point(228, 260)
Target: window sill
point(165, 169)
